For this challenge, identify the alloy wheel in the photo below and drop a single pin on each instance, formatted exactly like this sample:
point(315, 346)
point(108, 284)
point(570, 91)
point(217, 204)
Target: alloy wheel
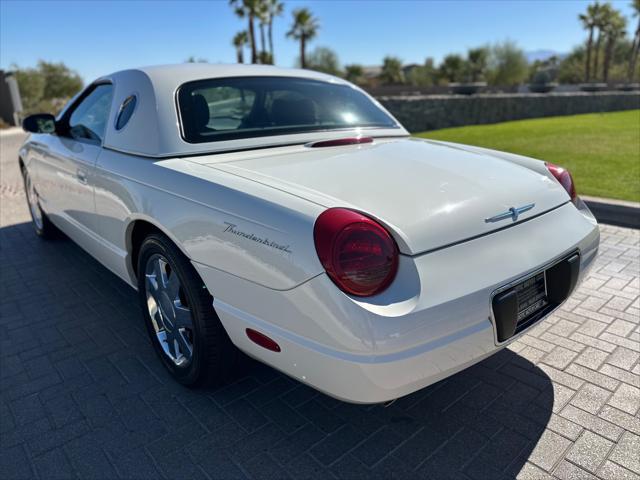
point(169, 310)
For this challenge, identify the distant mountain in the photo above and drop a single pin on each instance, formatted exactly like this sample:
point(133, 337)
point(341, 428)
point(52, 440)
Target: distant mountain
point(542, 55)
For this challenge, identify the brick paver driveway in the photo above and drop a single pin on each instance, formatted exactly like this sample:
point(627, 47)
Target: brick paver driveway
point(82, 394)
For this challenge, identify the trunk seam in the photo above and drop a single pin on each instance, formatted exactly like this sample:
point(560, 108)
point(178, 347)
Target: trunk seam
point(475, 237)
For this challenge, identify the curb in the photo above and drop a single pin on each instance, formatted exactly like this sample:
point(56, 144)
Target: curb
point(614, 212)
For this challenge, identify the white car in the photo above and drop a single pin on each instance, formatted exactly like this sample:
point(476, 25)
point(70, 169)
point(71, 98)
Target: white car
point(286, 212)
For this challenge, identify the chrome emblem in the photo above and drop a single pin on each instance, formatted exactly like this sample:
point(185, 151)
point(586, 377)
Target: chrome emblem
point(512, 213)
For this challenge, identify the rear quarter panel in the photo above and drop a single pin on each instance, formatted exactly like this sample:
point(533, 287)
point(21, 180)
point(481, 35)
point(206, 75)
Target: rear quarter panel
point(235, 225)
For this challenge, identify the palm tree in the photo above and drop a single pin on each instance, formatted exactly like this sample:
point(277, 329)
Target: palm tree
point(263, 17)
point(614, 29)
point(589, 20)
point(635, 46)
point(305, 27)
point(248, 9)
point(239, 41)
point(602, 20)
point(275, 9)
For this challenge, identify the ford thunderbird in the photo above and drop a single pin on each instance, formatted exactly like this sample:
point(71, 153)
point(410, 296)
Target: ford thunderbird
point(286, 214)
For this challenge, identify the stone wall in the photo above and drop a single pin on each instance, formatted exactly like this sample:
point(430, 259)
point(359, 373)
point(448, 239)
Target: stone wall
point(420, 113)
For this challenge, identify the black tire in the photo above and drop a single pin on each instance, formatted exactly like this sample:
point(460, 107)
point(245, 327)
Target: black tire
point(42, 225)
point(214, 357)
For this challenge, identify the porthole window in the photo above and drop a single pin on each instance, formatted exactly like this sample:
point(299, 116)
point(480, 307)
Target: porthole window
point(126, 111)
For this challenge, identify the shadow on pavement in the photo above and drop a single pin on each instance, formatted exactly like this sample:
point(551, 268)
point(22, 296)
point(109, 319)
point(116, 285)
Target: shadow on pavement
point(79, 376)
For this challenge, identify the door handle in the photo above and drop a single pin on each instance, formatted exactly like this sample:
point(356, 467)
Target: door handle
point(81, 175)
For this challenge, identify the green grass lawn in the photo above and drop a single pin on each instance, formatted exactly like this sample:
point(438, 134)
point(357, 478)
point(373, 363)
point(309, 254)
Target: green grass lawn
point(602, 151)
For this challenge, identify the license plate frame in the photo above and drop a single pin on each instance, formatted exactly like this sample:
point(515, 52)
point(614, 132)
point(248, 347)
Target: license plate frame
point(560, 278)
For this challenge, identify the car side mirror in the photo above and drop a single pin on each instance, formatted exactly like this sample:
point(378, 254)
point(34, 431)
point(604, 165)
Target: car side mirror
point(39, 123)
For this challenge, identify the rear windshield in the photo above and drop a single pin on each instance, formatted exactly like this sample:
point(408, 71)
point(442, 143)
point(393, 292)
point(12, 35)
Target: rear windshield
point(245, 107)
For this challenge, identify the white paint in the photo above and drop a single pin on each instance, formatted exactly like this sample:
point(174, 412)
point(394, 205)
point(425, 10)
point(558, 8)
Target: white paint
point(431, 322)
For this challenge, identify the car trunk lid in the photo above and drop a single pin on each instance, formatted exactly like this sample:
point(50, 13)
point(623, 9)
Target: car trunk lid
point(429, 195)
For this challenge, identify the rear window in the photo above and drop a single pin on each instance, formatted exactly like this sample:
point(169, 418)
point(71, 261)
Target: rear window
point(245, 107)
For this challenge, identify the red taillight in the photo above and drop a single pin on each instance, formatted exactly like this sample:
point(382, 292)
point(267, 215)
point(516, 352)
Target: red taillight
point(357, 253)
point(564, 177)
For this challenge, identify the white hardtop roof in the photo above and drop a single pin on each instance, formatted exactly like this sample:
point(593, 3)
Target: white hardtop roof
point(153, 130)
point(186, 72)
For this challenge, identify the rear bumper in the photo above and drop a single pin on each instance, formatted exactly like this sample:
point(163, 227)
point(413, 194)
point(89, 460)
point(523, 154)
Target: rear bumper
point(362, 378)
point(435, 321)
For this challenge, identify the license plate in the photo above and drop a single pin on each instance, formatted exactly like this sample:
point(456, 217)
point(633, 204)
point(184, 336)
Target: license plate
point(532, 296)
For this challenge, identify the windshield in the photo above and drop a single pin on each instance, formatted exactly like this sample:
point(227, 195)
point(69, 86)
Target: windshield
point(245, 107)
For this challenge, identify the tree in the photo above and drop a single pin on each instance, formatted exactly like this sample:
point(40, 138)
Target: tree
point(571, 69)
point(239, 41)
point(275, 9)
point(323, 59)
point(507, 64)
point(589, 21)
point(304, 28)
point(619, 71)
point(354, 73)
point(391, 73)
point(47, 87)
point(59, 80)
point(423, 75)
point(31, 84)
point(452, 68)
point(601, 21)
point(477, 63)
point(635, 46)
point(613, 31)
point(248, 9)
point(192, 59)
point(263, 17)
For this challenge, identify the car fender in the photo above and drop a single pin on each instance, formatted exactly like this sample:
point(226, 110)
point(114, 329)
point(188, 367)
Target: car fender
point(216, 219)
point(131, 222)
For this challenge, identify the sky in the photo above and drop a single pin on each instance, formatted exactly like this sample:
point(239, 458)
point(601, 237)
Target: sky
point(98, 37)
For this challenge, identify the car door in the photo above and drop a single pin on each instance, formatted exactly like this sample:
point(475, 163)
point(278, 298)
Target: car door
point(67, 170)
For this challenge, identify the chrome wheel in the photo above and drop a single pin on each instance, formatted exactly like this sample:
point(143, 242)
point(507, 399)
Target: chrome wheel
point(32, 199)
point(169, 310)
